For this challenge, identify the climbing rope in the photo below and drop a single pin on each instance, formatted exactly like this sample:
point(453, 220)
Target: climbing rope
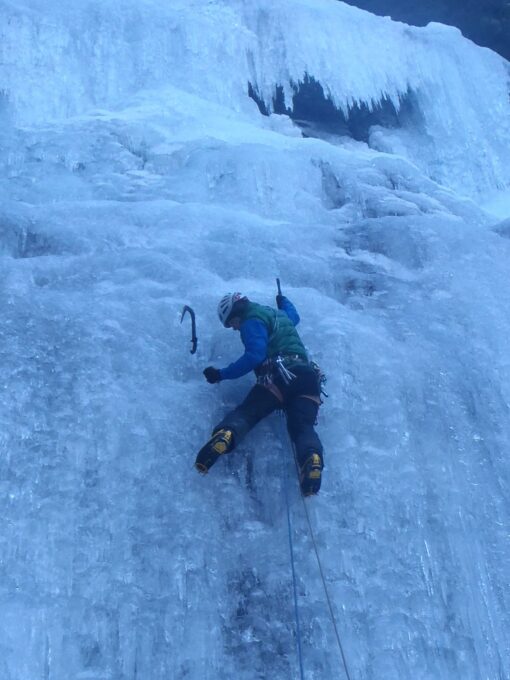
point(294, 585)
point(321, 571)
point(326, 592)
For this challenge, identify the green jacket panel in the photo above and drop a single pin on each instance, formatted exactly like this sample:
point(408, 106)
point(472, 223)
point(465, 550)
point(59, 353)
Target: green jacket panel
point(283, 336)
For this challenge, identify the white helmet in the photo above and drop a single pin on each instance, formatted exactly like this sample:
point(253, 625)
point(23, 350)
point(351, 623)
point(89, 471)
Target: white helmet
point(226, 305)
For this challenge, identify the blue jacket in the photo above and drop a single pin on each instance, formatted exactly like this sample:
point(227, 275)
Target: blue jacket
point(255, 339)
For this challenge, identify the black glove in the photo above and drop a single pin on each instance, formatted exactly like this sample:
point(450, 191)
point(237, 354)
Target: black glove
point(212, 375)
point(279, 301)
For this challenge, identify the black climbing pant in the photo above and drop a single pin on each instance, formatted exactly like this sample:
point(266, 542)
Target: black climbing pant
point(300, 411)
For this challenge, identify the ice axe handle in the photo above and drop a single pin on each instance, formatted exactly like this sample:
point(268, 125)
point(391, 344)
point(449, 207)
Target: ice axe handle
point(279, 287)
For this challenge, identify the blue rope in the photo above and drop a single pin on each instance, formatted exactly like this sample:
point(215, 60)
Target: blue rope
point(294, 586)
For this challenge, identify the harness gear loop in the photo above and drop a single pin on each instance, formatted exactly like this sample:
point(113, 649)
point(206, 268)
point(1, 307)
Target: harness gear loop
point(287, 376)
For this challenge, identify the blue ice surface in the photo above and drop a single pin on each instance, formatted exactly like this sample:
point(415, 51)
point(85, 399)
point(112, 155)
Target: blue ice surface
point(137, 176)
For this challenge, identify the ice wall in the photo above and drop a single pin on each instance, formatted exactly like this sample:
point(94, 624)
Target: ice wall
point(359, 58)
point(136, 175)
point(61, 60)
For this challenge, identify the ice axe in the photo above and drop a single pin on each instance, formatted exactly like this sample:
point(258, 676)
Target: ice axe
point(194, 339)
point(279, 288)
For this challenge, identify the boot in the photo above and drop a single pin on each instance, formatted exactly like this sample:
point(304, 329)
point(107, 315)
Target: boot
point(221, 442)
point(310, 475)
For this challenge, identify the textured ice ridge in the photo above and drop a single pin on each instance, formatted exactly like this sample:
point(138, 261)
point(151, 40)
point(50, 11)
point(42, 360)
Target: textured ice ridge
point(60, 61)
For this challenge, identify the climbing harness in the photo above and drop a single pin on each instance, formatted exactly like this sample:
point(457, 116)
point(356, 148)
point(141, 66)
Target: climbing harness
point(321, 571)
point(194, 339)
point(321, 377)
point(286, 375)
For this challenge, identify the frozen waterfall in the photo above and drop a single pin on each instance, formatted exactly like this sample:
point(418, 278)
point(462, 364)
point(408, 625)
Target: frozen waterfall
point(137, 174)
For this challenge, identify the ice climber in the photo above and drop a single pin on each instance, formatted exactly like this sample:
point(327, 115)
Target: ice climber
point(285, 380)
